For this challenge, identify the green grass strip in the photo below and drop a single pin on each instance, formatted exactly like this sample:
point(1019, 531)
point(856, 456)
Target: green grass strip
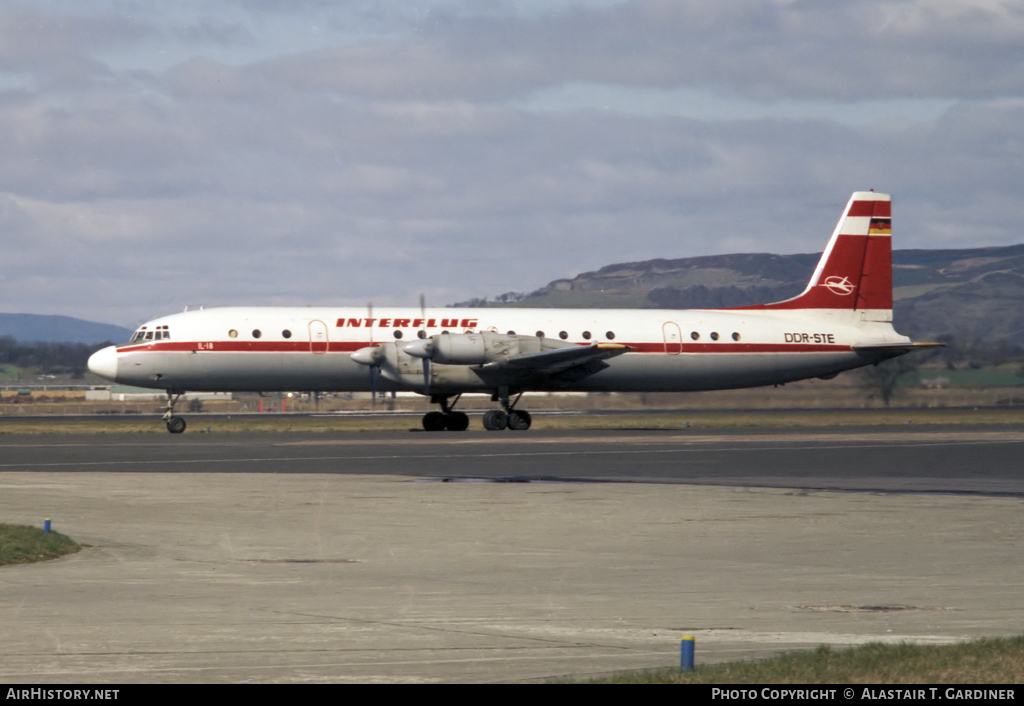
point(985, 661)
point(22, 544)
point(693, 419)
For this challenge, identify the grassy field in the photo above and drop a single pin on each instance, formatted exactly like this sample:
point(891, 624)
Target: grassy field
point(692, 419)
point(988, 661)
point(21, 544)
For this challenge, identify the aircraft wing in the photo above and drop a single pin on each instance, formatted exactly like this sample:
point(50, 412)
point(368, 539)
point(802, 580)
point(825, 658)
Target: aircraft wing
point(560, 359)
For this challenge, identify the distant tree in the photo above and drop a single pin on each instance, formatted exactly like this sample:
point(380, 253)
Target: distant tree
point(881, 380)
point(46, 357)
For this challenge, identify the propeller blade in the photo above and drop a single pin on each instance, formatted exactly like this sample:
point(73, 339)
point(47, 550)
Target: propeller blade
point(373, 385)
point(369, 319)
point(422, 333)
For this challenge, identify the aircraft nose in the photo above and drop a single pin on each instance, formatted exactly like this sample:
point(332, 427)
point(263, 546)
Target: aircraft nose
point(104, 362)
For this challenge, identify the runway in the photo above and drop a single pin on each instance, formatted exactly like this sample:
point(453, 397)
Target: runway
point(331, 558)
point(959, 459)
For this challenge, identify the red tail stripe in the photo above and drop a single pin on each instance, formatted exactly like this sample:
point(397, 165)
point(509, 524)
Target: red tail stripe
point(878, 209)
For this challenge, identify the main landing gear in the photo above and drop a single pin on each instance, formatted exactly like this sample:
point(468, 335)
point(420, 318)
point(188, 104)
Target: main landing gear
point(446, 418)
point(507, 417)
point(515, 419)
point(175, 425)
point(495, 420)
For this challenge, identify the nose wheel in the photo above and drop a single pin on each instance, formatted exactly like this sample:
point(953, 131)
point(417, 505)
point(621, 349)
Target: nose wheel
point(175, 424)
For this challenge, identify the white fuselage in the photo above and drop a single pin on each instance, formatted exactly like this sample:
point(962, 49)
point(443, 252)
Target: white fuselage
point(310, 349)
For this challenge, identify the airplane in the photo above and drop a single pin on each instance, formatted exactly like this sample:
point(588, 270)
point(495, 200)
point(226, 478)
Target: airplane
point(841, 321)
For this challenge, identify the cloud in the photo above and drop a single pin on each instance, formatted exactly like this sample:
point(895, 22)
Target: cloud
point(266, 194)
point(766, 50)
point(377, 170)
point(58, 49)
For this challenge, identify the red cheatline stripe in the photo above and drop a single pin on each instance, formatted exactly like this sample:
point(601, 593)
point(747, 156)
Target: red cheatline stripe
point(740, 348)
point(347, 347)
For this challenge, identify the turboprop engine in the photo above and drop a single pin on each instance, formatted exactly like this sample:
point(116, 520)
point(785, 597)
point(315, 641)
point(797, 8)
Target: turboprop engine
point(472, 348)
point(451, 361)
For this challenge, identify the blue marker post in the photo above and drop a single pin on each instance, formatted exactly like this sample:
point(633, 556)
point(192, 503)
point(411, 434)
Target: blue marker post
point(46, 525)
point(686, 653)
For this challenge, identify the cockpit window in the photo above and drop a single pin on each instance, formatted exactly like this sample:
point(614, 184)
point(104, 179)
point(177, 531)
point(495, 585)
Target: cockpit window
point(160, 333)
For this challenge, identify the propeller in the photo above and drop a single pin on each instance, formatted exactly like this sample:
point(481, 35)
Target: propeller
point(426, 359)
point(371, 356)
point(376, 359)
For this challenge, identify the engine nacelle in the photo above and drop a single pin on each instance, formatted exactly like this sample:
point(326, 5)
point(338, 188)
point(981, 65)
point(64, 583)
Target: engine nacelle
point(473, 348)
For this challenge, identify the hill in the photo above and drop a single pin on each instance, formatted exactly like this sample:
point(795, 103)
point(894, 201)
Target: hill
point(975, 293)
point(32, 328)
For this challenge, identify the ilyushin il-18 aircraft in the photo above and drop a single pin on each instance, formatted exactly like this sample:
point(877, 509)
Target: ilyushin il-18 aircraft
point(841, 321)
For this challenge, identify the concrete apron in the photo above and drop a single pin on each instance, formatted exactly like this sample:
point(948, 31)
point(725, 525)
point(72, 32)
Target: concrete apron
point(309, 578)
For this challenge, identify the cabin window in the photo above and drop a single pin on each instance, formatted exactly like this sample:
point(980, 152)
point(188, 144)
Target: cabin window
point(586, 335)
point(610, 335)
point(398, 334)
point(286, 333)
point(511, 333)
point(421, 334)
point(563, 335)
point(695, 336)
point(256, 333)
point(232, 334)
point(714, 335)
point(735, 336)
point(540, 334)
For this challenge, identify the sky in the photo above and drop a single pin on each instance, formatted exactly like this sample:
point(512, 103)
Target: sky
point(314, 152)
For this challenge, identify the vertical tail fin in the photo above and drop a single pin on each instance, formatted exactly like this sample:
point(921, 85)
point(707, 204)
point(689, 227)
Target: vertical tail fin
point(855, 271)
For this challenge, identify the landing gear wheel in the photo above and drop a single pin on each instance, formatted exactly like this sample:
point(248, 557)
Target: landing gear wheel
point(519, 420)
point(176, 425)
point(495, 420)
point(457, 421)
point(435, 421)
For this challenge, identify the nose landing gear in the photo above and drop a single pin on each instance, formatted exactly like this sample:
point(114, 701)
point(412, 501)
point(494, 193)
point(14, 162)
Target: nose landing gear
point(175, 425)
